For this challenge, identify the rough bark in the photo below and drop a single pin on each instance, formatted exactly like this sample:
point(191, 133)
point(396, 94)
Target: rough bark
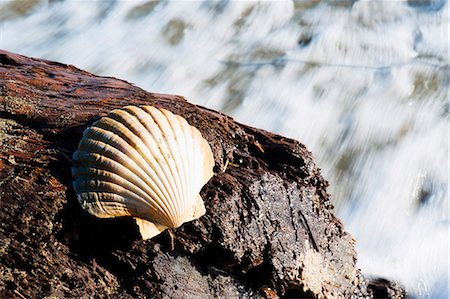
point(269, 229)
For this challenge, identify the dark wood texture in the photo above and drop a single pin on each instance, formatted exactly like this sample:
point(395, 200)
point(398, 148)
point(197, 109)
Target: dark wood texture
point(269, 229)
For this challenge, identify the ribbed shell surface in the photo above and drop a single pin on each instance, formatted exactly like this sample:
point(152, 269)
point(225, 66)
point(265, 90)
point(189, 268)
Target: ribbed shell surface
point(143, 162)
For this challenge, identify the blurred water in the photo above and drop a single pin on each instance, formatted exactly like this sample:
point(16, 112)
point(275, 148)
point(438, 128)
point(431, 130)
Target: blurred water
point(364, 84)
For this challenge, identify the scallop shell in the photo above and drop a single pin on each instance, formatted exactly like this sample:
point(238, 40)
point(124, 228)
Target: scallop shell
point(143, 162)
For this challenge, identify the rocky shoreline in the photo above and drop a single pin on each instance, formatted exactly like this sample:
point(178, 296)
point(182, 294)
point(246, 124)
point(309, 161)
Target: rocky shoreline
point(269, 229)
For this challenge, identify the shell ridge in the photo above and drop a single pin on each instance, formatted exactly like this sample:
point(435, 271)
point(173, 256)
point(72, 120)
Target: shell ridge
point(107, 136)
point(90, 201)
point(143, 162)
point(91, 185)
point(109, 152)
point(93, 159)
point(96, 204)
point(101, 187)
point(111, 177)
point(178, 135)
point(126, 134)
point(186, 154)
point(157, 150)
point(158, 120)
point(139, 206)
point(82, 201)
point(161, 120)
point(164, 122)
point(144, 119)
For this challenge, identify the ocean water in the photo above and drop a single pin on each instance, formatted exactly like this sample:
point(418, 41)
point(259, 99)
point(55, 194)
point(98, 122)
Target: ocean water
point(364, 84)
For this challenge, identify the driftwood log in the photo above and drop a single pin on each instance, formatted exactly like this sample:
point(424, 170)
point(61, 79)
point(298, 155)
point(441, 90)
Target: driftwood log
point(269, 229)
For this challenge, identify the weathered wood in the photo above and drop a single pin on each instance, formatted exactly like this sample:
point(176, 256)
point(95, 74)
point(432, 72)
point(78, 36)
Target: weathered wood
point(269, 228)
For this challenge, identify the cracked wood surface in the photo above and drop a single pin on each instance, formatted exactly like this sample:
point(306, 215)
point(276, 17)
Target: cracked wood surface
point(269, 229)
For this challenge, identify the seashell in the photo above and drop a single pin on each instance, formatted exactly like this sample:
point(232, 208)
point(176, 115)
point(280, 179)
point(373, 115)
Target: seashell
point(143, 162)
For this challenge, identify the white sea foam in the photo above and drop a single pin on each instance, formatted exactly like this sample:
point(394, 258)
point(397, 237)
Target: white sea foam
point(364, 84)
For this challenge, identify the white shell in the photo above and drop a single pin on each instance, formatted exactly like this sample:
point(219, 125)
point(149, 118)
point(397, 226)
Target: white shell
point(143, 162)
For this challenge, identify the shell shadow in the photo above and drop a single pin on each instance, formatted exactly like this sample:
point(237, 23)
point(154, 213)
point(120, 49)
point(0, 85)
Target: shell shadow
point(90, 237)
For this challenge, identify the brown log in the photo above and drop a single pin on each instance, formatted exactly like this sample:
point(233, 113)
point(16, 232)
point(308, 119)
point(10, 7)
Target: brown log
point(269, 229)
